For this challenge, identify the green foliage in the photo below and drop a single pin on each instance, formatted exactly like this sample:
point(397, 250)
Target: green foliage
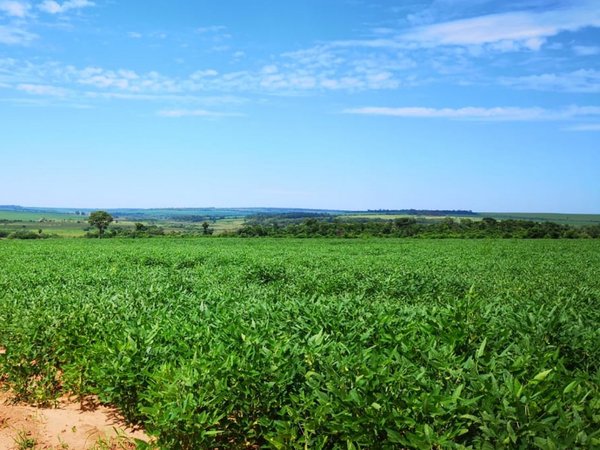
point(231, 343)
point(139, 231)
point(206, 228)
point(26, 234)
point(24, 441)
point(276, 226)
point(100, 220)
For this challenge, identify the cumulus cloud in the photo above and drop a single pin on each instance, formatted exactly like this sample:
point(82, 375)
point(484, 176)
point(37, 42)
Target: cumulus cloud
point(508, 31)
point(53, 7)
point(578, 81)
point(43, 89)
point(584, 127)
point(14, 35)
point(14, 8)
point(586, 50)
point(477, 113)
point(211, 29)
point(286, 78)
point(501, 32)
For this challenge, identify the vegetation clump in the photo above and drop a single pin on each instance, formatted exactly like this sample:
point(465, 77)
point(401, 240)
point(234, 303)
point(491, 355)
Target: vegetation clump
point(260, 226)
point(24, 234)
point(100, 220)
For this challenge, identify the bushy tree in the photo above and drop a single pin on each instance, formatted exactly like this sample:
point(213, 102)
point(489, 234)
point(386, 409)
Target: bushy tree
point(205, 228)
point(100, 220)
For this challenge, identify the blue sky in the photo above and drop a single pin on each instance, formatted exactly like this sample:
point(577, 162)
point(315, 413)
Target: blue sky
point(342, 104)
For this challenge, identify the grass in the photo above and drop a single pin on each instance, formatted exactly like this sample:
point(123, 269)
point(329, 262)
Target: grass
point(35, 216)
point(24, 441)
point(61, 224)
point(227, 225)
point(63, 229)
point(291, 343)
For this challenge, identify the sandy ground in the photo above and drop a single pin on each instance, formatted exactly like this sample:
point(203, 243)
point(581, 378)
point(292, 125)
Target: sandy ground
point(64, 427)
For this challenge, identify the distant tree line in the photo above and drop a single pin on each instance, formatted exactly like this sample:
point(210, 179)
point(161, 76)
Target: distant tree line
point(102, 219)
point(287, 218)
point(24, 234)
point(140, 230)
point(196, 218)
point(425, 212)
point(409, 227)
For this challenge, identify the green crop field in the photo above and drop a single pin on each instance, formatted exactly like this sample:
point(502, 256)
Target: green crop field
point(282, 343)
point(37, 215)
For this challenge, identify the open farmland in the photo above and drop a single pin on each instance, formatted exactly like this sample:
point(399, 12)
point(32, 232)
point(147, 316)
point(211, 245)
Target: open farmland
point(332, 343)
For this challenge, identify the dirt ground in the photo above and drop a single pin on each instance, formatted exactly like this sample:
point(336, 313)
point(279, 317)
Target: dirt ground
point(65, 427)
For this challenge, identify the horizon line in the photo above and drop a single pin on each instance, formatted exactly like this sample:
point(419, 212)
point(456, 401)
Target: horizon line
point(292, 208)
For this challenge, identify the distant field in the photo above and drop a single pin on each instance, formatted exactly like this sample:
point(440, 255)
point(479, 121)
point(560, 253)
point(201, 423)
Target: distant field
point(400, 216)
point(218, 226)
point(565, 219)
point(71, 225)
point(64, 229)
point(227, 225)
point(61, 224)
point(32, 215)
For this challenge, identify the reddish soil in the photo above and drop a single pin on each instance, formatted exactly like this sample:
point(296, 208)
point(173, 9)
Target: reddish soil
point(65, 427)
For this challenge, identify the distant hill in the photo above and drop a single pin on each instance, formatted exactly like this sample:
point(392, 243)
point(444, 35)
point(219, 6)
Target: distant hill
point(425, 212)
point(200, 214)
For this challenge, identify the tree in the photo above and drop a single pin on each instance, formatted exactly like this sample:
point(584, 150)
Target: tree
point(205, 226)
point(100, 220)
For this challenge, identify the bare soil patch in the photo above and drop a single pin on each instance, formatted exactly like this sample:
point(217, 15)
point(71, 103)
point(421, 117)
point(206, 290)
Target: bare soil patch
point(67, 426)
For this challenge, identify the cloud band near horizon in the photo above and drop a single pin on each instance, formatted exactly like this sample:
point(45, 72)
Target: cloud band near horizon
point(479, 113)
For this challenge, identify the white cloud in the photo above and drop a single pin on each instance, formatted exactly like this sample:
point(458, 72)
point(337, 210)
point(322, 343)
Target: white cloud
point(338, 66)
point(211, 29)
point(200, 74)
point(53, 7)
point(584, 127)
point(579, 81)
point(43, 89)
point(318, 57)
point(270, 69)
point(171, 98)
point(13, 35)
point(586, 50)
point(477, 113)
point(195, 113)
point(121, 79)
point(287, 78)
point(216, 36)
point(508, 31)
point(15, 8)
point(134, 35)
point(502, 32)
